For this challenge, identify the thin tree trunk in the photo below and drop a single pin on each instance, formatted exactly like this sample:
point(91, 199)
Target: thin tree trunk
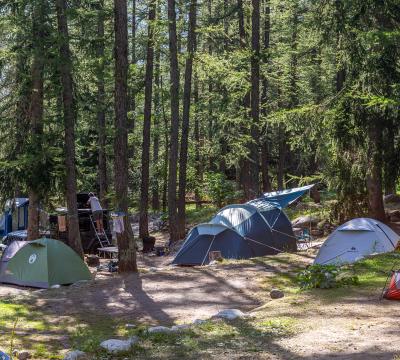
point(255, 99)
point(391, 158)
point(374, 174)
point(101, 115)
point(132, 90)
point(166, 154)
point(36, 114)
point(266, 182)
point(281, 157)
point(191, 48)
point(173, 157)
point(144, 187)
point(198, 145)
point(244, 163)
point(74, 237)
point(126, 244)
point(155, 198)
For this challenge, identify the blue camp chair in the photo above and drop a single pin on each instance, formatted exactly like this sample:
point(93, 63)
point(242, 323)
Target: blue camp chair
point(304, 239)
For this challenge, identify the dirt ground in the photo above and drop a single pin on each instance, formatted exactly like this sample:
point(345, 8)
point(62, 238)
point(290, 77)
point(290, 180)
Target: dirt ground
point(348, 327)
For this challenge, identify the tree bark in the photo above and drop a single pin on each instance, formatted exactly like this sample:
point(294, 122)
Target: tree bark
point(74, 238)
point(266, 181)
point(132, 91)
point(173, 156)
point(126, 244)
point(101, 115)
point(191, 48)
point(198, 145)
point(374, 174)
point(36, 116)
point(255, 99)
point(148, 91)
point(155, 197)
point(244, 163)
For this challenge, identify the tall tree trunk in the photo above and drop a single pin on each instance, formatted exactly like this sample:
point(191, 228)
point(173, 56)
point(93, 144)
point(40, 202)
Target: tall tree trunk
point(166, 152)
point(101, 115)
point(255, 99)
point(341, 70)
point(244, 163)
point(191, 48)
point(155, 197)
point(148, 91)
point(281, 157)
point(374, 173)
point(266, 182)
point(132, 90)
point(126, 244)
point(74, 237)
point(36, 115)
point(198, 145)
point(173, 153)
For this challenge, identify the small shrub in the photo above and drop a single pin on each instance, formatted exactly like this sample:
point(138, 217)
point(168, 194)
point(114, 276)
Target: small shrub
point(325, 277)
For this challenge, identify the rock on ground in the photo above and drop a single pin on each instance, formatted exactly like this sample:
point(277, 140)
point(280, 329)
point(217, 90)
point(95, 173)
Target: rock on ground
point(276, 294)
point(178, 328)
point(115, 346)
point(158, 329)
point(391, 198)
point(75, 355)
point(23, 355)
point(230, 314)
point(305, 221)
point(199, 321)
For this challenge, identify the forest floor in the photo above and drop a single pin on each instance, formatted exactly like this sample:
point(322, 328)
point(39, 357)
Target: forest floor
point(344, 323)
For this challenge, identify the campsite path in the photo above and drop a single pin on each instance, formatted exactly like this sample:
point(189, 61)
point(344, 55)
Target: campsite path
point(159, 296)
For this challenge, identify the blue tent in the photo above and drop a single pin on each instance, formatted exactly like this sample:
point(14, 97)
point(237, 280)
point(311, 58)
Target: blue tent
point(241, 231)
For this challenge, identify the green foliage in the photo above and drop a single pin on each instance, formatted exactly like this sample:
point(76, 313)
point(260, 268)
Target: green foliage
point(219, 189)
point(325, 277)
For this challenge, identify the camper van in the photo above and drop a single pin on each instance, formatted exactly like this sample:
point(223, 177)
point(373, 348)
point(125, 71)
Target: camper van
point(15, 216)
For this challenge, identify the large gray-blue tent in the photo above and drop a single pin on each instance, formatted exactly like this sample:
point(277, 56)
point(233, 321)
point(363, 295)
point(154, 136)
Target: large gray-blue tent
point(242, 231)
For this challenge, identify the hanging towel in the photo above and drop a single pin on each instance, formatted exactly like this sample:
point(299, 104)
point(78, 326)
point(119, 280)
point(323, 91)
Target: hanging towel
point(118, 224)
point(62, 223)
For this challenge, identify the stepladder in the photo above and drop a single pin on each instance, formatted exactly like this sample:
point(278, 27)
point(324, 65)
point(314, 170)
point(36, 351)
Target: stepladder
point(100, 235)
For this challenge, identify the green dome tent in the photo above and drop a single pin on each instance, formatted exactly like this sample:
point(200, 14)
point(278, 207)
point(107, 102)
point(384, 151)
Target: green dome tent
point(41, 263)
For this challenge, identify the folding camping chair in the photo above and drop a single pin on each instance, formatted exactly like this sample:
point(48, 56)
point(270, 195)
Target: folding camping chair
point(304, 239)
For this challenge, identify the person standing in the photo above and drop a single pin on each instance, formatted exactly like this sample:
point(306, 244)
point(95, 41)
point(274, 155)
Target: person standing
point(97, 211)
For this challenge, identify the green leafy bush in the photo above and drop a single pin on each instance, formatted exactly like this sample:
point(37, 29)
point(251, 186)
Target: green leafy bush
point(219, 189)
point(325, 277)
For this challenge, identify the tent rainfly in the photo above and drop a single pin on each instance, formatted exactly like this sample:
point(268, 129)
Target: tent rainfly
point(41, 263)
point(256, 228)
point(356, 239)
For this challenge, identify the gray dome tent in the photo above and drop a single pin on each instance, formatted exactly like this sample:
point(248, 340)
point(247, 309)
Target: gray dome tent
point(242, 231)
point(356, 239)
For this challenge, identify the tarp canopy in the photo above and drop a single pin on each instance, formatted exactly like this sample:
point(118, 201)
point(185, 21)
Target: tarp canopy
point(286, 197)
point(42, 263)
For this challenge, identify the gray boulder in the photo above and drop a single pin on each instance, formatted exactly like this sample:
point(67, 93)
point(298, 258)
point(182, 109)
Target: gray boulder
point(179, 328)
point(199, 321)
point(305, 221)
point(158, 329)
point(75, 355)
point(230, 314)
point(391, 198)
point(276, 294)
point(23, 355)
point(115, 346)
